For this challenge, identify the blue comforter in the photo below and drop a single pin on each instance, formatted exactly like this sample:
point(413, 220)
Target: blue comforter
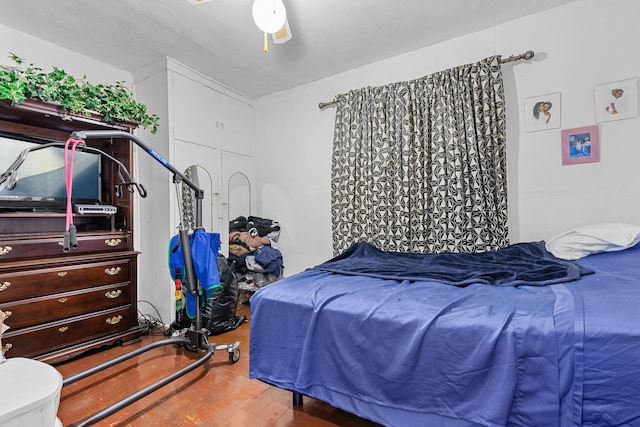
point(423, 353)
point(526, 263)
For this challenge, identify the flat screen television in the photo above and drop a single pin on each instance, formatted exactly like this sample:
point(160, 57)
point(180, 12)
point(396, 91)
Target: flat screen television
point(41, 184)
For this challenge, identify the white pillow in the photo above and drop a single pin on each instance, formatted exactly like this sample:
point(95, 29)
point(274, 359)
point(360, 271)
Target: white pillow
point(593, 239)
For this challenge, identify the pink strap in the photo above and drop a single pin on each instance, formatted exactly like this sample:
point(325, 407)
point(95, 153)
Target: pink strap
point(68, 176)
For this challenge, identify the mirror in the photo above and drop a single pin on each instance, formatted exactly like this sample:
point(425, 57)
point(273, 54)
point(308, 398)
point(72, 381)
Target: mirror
point(201, 177)
point(239, 195)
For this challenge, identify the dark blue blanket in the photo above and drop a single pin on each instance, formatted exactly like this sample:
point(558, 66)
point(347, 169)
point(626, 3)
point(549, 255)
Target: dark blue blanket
point(519, 264)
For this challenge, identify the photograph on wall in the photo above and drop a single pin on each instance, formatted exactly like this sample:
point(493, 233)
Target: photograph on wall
point(580, 145)
point(543, 112)
point(616, 100)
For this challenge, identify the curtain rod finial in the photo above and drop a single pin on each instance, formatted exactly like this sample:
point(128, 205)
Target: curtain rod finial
point(324, 105)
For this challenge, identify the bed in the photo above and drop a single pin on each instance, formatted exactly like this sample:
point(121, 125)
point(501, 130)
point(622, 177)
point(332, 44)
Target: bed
point(369, 335)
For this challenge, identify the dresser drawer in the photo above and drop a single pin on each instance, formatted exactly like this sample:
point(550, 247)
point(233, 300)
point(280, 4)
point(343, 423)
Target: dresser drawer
point(47, 281)
point(51, 246)
point(60, 306)
point(48, 337)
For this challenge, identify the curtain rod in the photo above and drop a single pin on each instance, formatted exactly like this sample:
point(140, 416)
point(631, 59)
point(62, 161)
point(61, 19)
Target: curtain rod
point(527, 55)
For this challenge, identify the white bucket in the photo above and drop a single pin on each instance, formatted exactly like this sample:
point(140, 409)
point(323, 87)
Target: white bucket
point(30, 393)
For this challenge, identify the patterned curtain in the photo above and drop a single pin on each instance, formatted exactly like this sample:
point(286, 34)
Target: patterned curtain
point(420, 166)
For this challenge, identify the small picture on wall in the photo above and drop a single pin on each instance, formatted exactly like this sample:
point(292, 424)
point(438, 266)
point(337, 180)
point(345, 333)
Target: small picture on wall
point(580, 145)
point(543, 112)
point(616, 100)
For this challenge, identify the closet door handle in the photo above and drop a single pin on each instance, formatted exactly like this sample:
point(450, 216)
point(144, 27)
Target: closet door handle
point(113, 294)
point(112, 271)
point(4, 286)
point(5, 250)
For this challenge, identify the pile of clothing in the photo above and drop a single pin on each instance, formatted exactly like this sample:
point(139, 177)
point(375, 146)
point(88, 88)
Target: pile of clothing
point(252, 243)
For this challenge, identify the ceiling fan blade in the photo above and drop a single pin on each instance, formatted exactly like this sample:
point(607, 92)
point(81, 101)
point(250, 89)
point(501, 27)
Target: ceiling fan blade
point(283, 35)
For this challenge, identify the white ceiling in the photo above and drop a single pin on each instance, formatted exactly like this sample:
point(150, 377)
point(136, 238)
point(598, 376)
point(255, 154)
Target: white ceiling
point(219, 38)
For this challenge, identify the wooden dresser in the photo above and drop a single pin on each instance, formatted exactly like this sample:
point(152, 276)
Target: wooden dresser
point(60, 304)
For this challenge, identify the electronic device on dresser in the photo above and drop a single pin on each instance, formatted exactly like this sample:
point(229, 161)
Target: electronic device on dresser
point(61, 304)
point(97, 209)
point(39, 184)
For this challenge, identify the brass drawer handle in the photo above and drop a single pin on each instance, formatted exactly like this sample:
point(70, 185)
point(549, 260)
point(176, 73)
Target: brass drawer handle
point(112, 242)
point(62, 273)
point(6, 347)
point(7, 314)
point(5, 250)
point(63, 329)
point(5, 286)
point(63, 300)
point(114, 320)
point(113, 294)
point(112, 271)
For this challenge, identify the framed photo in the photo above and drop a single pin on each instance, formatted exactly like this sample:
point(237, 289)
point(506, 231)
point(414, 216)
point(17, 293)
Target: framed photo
point(542, 112)
point(581, 145)
point(616, 100)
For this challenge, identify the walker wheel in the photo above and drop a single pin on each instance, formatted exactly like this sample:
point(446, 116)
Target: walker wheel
point(234, 355)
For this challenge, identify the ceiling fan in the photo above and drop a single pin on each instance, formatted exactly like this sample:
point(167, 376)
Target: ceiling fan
point(271, 17)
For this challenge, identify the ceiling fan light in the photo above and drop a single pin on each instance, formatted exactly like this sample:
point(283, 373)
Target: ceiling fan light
point(269, 15)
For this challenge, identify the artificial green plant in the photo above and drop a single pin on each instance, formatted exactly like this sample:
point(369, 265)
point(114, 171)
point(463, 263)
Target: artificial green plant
point(115, 103)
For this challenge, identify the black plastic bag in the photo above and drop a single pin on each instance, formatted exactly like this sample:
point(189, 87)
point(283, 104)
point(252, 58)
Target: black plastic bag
point(219, 313)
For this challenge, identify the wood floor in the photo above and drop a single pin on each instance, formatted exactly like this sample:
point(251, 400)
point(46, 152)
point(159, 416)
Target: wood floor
point(215, 394)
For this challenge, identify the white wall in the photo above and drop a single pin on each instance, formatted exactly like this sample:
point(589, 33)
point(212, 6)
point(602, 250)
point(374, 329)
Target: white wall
point(548, 198)
point(153, 213)
point(46, 55)
point(577, 46)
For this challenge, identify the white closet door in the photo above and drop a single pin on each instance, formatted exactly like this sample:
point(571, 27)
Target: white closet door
point(207, 162)
point(238, 126)
point(196, 112)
